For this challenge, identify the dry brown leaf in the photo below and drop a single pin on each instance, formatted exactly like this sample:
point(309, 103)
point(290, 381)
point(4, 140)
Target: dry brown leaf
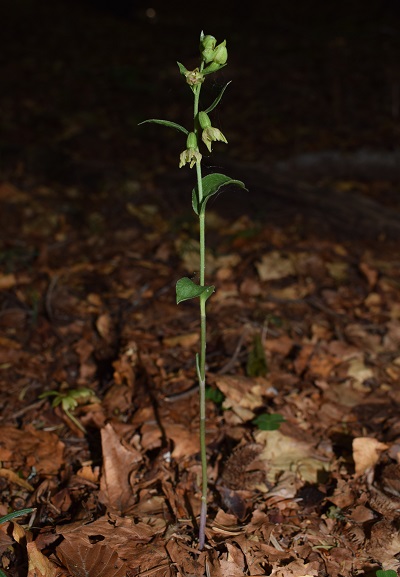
point(371, 274)
point(119, 462)
point(358, 370)
point(297, 568)
point(31, 448)
point(7, 281)
point(85, 560)
point(38, 564)
point(287, 453)
point(186, 442)
point(274, 266)
point(105, 327)
point(125, 366)
point(242, 394)
point(15, 478)
point(366, 453)
point(187, 340)
point(5, 540)
point(181, 558)
point(232, 564)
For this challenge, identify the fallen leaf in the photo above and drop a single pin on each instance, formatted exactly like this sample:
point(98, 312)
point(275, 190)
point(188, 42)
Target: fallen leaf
point(366, 453)
point(120, 460)
point(85, 560)
point(274, 266)
point(38, 564)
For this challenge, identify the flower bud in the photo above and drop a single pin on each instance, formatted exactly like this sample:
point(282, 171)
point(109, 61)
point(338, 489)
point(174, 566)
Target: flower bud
point(204, 120)
point(191, 141)
point(207, 42)
point(220, 53)
point(207, 46)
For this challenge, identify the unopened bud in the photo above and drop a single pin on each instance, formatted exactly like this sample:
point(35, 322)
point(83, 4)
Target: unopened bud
point(207, 46)
point(220, 53)
point(204, 120)
point(191, 141)
point(208, 41)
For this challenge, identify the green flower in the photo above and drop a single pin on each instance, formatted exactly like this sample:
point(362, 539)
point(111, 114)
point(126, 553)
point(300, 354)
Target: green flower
point(211, 134)
point(191, 154)
point(194, 77)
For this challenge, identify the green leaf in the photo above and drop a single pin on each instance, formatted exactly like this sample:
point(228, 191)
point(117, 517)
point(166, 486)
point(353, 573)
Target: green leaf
point(215, 395)
point(217, 100)
point(186, 289)
point(269, 422)
point(166, 123)
point(386, 573)
point(211, 185)
point(14, 514)
point(210, 71)
point(182, 69)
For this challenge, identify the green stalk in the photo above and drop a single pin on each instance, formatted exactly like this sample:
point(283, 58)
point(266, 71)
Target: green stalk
point(201, 369)
point(215, 57)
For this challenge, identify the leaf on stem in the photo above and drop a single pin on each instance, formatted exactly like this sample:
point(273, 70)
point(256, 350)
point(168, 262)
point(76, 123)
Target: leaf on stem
point(186, 289)
point(166, 123)
point(182, 69)
point(211, 185)
point(217, 100)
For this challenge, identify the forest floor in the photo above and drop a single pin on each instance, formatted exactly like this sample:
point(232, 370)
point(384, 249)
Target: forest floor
point(305, 321)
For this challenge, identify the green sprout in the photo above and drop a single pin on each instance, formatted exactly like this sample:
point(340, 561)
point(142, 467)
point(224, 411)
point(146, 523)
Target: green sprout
point(69, 400)
point(269, 421)
point(15, 514)
point(212, 58)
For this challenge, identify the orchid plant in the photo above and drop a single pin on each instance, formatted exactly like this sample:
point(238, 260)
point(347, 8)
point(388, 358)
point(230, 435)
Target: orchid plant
point(213, 57)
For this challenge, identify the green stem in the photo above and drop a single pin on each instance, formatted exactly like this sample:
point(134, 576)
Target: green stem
point(202, 393)
point(201, 369)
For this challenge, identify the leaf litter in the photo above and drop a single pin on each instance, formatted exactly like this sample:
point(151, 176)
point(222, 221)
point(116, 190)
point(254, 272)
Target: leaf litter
point(319, 494)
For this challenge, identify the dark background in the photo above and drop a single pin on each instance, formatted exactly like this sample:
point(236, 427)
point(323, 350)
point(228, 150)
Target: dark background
point(78, 76)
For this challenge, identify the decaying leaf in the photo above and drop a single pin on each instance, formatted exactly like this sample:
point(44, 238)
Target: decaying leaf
point(366, 453)
point(120, 460)
point(85, 560)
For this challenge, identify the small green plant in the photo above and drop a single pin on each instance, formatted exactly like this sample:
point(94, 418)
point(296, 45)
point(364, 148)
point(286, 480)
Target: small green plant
point(269, 421)
point(15, 514)
point(386, 573)
point(69, 400)
point(213, 57)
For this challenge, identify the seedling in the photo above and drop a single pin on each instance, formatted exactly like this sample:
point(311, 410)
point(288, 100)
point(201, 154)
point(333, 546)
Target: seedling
point(213, 57)
point(269, 421)
point(69, 400)
point(15, 514)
